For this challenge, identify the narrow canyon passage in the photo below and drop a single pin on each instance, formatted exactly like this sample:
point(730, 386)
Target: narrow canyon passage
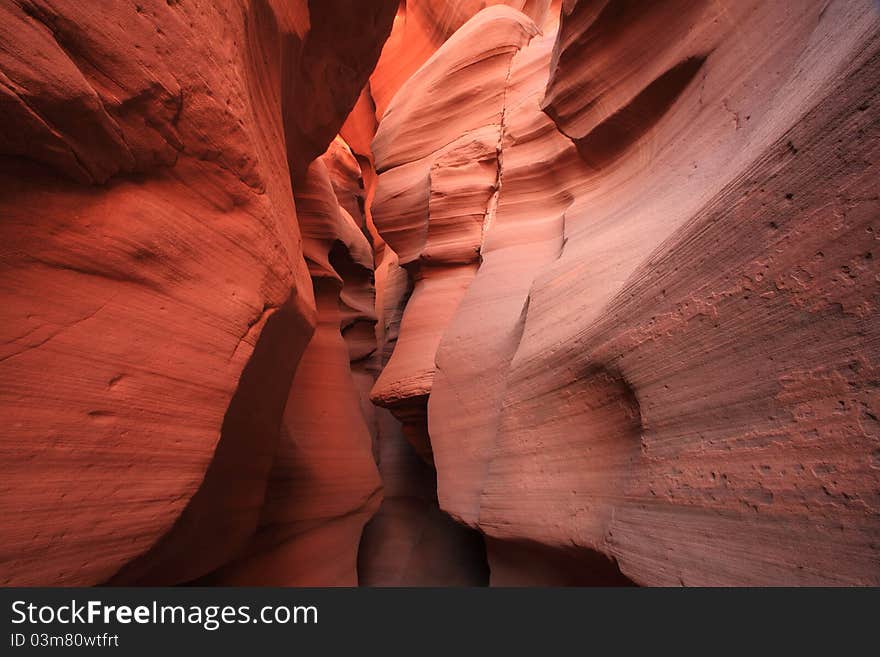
point(440, 293)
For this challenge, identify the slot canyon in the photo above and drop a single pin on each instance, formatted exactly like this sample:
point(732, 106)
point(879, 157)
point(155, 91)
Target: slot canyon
point(440, 292)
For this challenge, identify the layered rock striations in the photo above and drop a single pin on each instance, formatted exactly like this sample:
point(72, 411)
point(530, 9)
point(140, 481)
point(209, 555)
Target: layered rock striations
point(410, 541)
point(156, 300)
point(662, 370)
point(324, 484)
point(422, 26)
point(435, 190)
point(416, 292)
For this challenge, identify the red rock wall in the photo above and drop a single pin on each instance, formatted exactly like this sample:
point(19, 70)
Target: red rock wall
point(324, 484)
point(586, 288)
point(422, 26)
point(662, 368)
point(410, 541)
point(154, 292)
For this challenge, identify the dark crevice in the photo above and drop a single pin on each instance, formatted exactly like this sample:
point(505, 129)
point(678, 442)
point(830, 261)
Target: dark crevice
point(222, 514)
point(529, 563)
point(614, 136)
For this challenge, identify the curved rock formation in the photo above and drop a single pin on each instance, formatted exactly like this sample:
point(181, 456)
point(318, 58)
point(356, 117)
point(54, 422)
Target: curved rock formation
point(155, 297)
point(422, 26)
point(324, 485)
point(620, 385)
point(435, 192)
point(426, 292)
point(410, 541)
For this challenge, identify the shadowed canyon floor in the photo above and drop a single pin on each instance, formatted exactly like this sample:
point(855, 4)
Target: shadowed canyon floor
point(440, 292)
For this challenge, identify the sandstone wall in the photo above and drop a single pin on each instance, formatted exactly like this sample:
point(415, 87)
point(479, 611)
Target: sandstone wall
point(659, 363)
point(155, 297)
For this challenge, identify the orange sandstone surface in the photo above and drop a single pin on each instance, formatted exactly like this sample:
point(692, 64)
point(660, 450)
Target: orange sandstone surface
point(436, 292)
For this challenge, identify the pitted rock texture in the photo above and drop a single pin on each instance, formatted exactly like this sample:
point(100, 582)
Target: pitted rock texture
point(662, 370)
point(429, 292)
